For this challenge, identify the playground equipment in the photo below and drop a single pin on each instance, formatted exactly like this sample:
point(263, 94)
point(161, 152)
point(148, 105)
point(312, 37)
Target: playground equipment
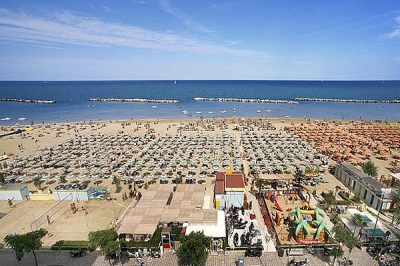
point(311, 171)
point(310, 226)
point(274, 199)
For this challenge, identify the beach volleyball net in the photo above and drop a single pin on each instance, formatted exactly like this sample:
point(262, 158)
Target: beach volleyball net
point(52, 213)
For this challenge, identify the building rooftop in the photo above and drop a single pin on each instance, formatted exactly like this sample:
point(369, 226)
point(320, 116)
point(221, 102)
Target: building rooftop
point(185, 206)
point(234, 181)
point(12, 186)
point(220, 176)
point(219, 187)
point(366, 180)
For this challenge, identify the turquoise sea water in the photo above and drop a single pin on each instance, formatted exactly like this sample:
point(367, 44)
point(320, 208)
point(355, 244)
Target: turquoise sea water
point(73, 99)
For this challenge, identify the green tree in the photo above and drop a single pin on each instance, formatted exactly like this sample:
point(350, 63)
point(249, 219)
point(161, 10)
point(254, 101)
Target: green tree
point(28, 242)
point(193, 249)
point(2, 177)
point(335, 219)
point(396, 215)
point(356, 199)
point(330, 198)
point(395, 196)
point(370, 169)
point(298, 176)
point(37, 182)
point(179, 180)
point(336, 252)
point(106, 240)
point(357, 220)
point(62, 179)
point(259, 184)
point(346, 237)
point(117, 184)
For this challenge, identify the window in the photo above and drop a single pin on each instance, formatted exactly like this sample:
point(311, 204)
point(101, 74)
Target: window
point(365, 194)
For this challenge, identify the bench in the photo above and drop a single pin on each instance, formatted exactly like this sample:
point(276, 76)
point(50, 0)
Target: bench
point(295, 252)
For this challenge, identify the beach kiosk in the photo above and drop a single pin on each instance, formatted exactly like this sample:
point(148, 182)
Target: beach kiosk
point(166, 238)
point(219, 191)
point(234, 189)
point(13, 191)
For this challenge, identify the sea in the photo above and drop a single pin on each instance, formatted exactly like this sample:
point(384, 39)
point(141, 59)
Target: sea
point(73, 105)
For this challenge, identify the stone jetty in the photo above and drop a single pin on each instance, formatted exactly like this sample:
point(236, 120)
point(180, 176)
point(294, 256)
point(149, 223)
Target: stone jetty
point(132, 100)
point(245, 100)
point(345, 100)
point(27, 101)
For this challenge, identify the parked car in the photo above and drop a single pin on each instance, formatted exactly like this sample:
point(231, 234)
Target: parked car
point(253, 252)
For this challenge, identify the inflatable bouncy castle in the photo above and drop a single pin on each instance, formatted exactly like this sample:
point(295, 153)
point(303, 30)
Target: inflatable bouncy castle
point(310, 228)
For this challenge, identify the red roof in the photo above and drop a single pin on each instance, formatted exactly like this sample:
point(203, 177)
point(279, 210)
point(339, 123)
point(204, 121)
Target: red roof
point(234, 181)
point(220, 176)
point(219, 187)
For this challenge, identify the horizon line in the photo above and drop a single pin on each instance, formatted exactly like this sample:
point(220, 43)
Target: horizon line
point(176, 80)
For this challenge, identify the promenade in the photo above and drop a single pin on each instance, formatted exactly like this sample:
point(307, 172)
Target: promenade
point(47, 258)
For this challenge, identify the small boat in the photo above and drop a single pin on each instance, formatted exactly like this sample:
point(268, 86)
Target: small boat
point(22, 119)
point(223, 111)
point(198, 112)
point(5, 119)
point(154, 106)
point(211, 112)
point(184, 112)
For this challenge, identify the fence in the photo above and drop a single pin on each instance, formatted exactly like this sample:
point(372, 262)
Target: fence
point(38, 222)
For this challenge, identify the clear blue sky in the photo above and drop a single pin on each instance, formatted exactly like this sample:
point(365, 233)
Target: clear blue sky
point(199, 39)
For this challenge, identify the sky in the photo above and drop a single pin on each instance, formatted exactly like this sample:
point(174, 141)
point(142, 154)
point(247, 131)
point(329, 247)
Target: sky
point(200, 40)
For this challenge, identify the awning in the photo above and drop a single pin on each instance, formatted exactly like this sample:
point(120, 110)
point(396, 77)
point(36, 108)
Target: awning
point(378, 232)
point(395, 175)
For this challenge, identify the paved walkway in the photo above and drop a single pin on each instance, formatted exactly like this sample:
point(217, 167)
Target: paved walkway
point(51, 258)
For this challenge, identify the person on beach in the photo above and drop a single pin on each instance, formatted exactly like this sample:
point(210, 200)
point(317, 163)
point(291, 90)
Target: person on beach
point(9, 202)
point(48, 219)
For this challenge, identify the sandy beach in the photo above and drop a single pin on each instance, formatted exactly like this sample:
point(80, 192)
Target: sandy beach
point(167, 149)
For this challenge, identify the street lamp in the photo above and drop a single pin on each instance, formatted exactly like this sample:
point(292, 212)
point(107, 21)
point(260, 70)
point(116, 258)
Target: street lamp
point(379, 212)
point(113, 208)
point(87, 224)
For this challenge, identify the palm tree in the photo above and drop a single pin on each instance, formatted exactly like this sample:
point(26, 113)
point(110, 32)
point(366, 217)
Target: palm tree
point(37, 183)
point(2, 177)
point(357, 221)
point(330, 198)
point(259, 185)
point(63, 179)
point(298, 176)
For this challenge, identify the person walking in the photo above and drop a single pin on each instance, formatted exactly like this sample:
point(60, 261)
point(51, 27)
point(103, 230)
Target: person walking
point(48, 219)
point(9, 202)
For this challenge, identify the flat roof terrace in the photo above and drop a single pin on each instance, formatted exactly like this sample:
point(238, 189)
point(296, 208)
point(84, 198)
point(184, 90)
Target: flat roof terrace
point(185, 206)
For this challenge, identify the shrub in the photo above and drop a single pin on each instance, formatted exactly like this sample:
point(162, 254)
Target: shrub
point(69, 245)
point(356, 199)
